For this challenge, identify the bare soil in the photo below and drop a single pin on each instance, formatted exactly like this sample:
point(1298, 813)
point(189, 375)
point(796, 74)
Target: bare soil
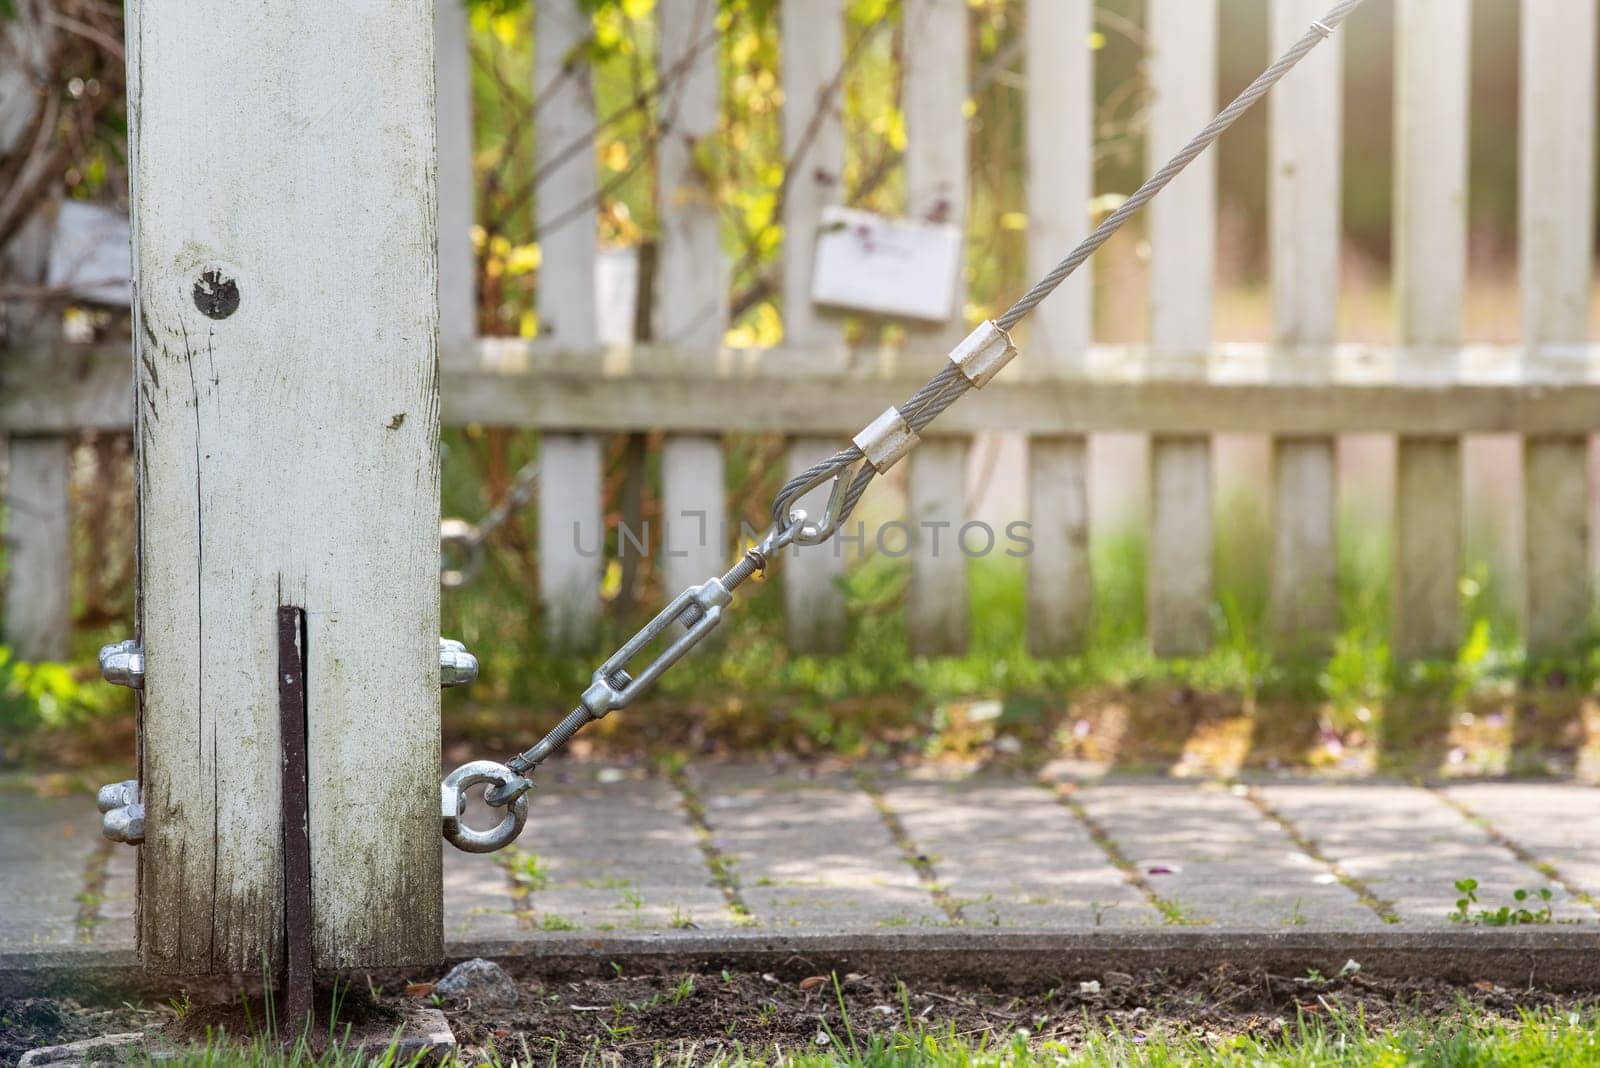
point(644, 1020)
point(638, 1021)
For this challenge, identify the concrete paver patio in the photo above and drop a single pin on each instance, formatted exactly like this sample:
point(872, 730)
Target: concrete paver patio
point(750, 848)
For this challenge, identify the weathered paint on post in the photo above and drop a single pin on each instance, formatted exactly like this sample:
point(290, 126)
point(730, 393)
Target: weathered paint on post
point(285, 320)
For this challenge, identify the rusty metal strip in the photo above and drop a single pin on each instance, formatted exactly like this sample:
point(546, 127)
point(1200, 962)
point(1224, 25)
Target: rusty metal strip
point(298, 975)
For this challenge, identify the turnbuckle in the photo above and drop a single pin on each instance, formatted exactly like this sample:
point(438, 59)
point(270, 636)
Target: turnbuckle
point(612, 686)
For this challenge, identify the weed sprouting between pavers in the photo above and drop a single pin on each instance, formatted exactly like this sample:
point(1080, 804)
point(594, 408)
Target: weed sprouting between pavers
point(1516, 849)
point(1468, 910)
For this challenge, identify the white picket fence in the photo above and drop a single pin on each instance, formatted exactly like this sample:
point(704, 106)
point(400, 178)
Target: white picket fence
point(1304, 388)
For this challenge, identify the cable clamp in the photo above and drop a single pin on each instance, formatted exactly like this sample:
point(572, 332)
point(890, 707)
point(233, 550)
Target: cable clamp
point(982, 353)
point(886, 439)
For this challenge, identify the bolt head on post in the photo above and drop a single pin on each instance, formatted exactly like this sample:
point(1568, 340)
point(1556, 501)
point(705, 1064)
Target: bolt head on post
point(457, 667)
point(122, 664)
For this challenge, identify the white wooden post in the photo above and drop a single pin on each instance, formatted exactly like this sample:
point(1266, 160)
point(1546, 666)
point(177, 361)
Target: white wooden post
point(812, 39)
point(1432, 48)
point(1304, 195)
point(1183, 87)
point(1060, 110)
point(1557, 224)
point(571, 562)
point(935, 90)
point(458, 265)
point(286, 317)
point(691, 303)
point(38, 592)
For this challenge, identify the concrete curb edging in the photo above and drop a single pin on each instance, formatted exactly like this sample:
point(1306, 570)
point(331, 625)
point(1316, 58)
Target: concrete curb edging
point(1550, 959)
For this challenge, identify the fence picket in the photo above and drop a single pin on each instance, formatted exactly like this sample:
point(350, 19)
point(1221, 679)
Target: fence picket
point(570, 509)
point(1557, 222)
point(691, 305)
point(1303, 200)
point(936, 600)
point(1060, 596)
point(38, 599)
point(1060, 113)
point(1432, 41)
point(1183, 79)
point(38, 584)
point(935, 93)
point(813, 144)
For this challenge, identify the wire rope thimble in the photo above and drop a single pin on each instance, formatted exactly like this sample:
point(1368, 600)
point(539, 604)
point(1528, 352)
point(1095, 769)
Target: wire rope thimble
point(982, 353)
point(453, 804)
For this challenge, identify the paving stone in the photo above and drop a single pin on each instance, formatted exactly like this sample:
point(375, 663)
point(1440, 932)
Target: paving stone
point(45, 845)
point(1559, 823)
point(812, 852)
point(617, 851)
point(1219, 859)
point(1406, 845)
point(1013, 856)
point(117, 897)
point(477, 897)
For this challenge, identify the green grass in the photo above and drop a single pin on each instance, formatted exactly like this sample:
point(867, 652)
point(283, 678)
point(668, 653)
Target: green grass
point(1465, 1039)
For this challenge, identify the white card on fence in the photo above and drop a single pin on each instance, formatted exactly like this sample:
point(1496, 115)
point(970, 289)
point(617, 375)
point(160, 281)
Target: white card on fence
point(899, 267)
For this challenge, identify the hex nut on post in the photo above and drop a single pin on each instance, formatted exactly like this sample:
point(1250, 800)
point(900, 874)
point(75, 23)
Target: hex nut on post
point(125, 824)
point(122, 664)
point(457, 667)
point(117, 795)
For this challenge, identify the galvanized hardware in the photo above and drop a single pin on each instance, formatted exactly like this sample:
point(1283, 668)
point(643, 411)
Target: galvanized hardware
point(457, 667)
point(886, 439)
point(460, 553)
point(122, 814)
point(833, 513)
point(983, 353)
point(973, 363)
point(122, 664)
point(125, 824)
point(462, 541)
point(117, 794)
point(453, 803)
